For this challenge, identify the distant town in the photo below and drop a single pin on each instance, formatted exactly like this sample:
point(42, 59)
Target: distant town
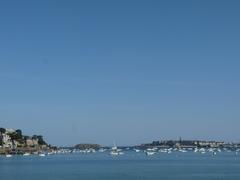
point(14, 142)
point(190, 144)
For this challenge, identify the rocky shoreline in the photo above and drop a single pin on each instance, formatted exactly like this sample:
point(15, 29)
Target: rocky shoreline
point(14, 142)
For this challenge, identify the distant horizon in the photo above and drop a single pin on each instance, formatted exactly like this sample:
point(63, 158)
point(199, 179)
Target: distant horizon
point(129, 71)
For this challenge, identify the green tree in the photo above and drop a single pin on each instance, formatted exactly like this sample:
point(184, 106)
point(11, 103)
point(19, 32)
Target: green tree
point(1, 140)
point(35, 137)
point(2, 130)
point(15, 136)
point(26, 137)
point(41, 141)
point(19, 134)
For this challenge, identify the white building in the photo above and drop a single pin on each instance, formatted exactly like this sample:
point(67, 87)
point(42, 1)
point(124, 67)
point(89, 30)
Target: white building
point(7, 142)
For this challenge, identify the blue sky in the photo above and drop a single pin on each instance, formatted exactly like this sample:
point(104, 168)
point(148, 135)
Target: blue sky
point(124, 71)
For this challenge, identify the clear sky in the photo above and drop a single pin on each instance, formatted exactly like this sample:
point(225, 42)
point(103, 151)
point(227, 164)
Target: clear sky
point(124, 71)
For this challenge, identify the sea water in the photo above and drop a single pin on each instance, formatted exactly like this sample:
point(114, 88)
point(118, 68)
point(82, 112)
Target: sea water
point(130, 166)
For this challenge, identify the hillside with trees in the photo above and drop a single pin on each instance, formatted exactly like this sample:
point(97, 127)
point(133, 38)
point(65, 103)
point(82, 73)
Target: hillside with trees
point(14, 140)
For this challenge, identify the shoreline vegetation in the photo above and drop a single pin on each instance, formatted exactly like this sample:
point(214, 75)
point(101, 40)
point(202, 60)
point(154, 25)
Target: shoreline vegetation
point(14, 142)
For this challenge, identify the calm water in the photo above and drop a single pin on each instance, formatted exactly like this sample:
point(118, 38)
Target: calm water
point(131, 166)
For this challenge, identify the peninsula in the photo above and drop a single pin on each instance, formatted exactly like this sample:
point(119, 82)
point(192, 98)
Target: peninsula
point(14, 142)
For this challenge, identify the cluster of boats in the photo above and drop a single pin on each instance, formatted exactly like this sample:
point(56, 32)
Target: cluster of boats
point(40, 154)
point(115, 151)
point(213, 151)
point(25, 154)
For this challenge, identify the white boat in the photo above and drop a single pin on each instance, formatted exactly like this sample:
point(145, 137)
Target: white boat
point(101, 150)
point(214, 153)
point(182, 150)
point(202, 151)
point(163, 151)
point(150, 153)
point(92, 150)
point(42, 155)
point(26, 154)
point(8, 155)
point(50, 153)
point(137, 150)
point(211, 150)
point(115, 151)
point(152, 149)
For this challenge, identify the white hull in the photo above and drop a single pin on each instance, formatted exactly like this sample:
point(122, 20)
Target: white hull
point(114, 153)
point(150, 153)
point(26, 154)
point(137, 150)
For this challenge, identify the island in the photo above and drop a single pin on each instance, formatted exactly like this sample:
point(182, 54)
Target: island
point(87, 146)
